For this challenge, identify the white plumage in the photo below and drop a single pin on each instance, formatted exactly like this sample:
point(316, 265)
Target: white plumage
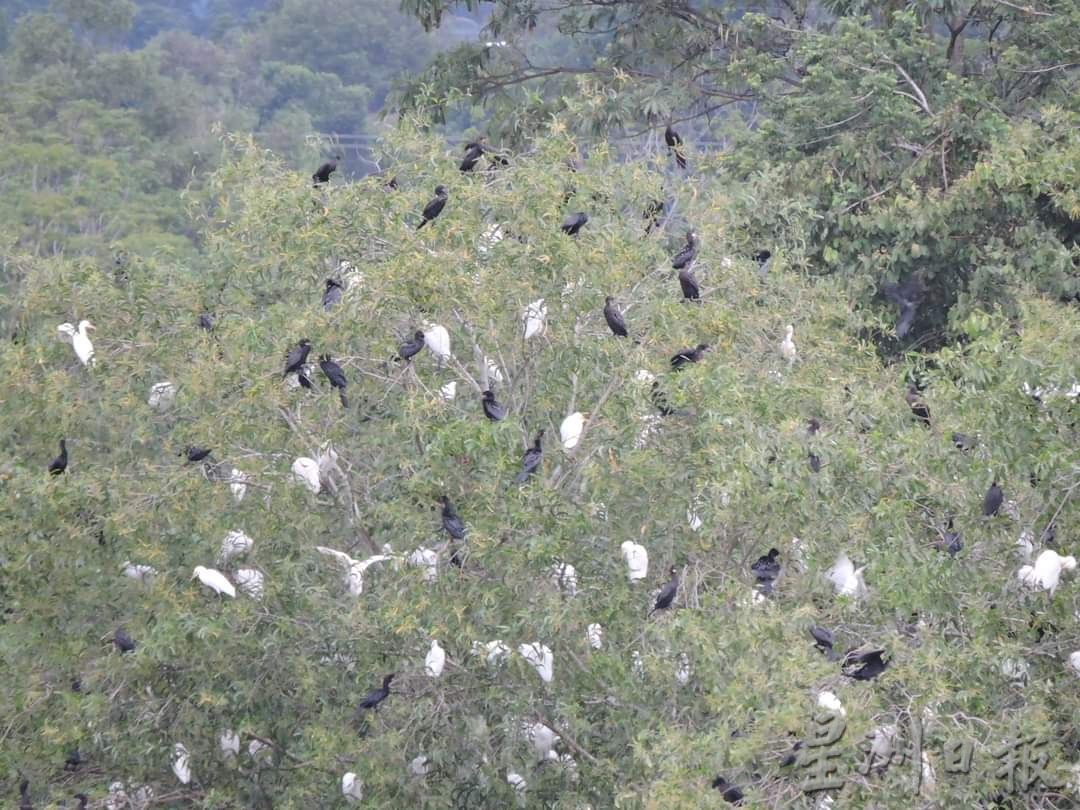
point(1026, 543)
point(491, 236)
point(637, 664)
point(235, 544)
point(542, 738)
point(351, 787)
point(214, 580)
point(181, 763)
point(693, 519)
point(594, 634)
point(540, 658)
point(637, 560)
point(229, 742)
point(565, 576)
point(84, 349)
point(420, 765)
point(238, 484)
point(1015, 669)
point(828, 700)
point(787, 345)
point(306, 471)
point(1074, 662)
point(437, 339)
point(644, 375)
point(516, 781)
point(494, 652)
point(354, 576)
point(162, 396)
point(846, 578)
point(435, 660)
point(428, 560)
point(143, 573)
point(535, 317)
point(250, 582)
point(571, 428)
point(1046, 573)
point(449, 391)
point(493, 373)
point(682, 670)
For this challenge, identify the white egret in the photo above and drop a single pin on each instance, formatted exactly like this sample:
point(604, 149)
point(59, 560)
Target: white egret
point(542, 738)
point(235, 544)
point(516, 781)
point(1026, 543)
point(143, 573)
point(250, 582)
point(693, 519)
point(449, 391)
point(435, 660)
point(238, 484)
point(437, 339)
point(828, 700)
point(494, 652)
point(637, 560)
point(1046, 572)
point(260, 751)
point(420, 765)
point(594, 634)
point(229, 742)
point(326, 457)
point(1074, 662)
point(162, 396)
point(354, 577)
point(534, 318)
point(351, 787)
point(214, 580)
point(571, 428)
point(428, 560)
point(84, 349)
point(306, 471)
point(181, 763)
point(493, 373)
point(846, 578)
point(637, 664)
point(682, 670)
point(491, 236)
point(540, 658)
point(787, 345)
point(565, 576)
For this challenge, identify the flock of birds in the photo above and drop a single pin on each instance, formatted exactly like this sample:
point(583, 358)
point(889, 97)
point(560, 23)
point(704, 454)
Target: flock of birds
point(861, 664)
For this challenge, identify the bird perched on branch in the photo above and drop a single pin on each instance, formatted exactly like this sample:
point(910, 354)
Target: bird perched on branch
point(730, 793)
point(59, 464)
point(473, 152)
point(614, 318)
point(992, 500)
point(919, 409)
point(123, 641)
point(689, 356)
point(766, 569)
point(295, 360)
point(336, 376)
point(869, 665)
point(79, 340)
point(574, 223)
point(667, 593)
point(492, 409)
point(322, 174)
point(691, 290)
point(674, 143)
point(530, 462)
point(378, 695)
point(435, 207)
point(411, 348)
point(332, 294)
point(685, 257)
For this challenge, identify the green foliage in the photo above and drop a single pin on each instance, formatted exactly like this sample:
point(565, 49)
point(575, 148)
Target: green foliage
point(290, 669)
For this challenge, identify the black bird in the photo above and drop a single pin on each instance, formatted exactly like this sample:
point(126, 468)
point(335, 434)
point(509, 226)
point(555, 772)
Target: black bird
point(762, 258)
point(82, 801)
point(195, 453)
point(660, 400)
point(411, 348)
point(336, 376)
point(296, 358)
point(652, 214)
point(667, 593)
point(731, 794)
point(907, 297)
point(332, 294)
point(24, 795)
point(690, 289)
point(951, 540)
point(792, 756)
point(322, 174)
point(689, 356)
point(962, 442)
point(812, 426)
point(614, 318)
point(59, 464)
point(686, 256)
point(377, 696)
point(992, 500)
point(391, 184)
point(869, 663)
point(435, 207)
point(674, 143)
point(492, 409)
point(530, 462)
point(823, 640)
point(453, 525)
point(766, 569)
point(814, 461)
point(919, 408)
point(123, 641)
point(73, 760)
point(205, 322)
point(573, 223)
point(473, 152)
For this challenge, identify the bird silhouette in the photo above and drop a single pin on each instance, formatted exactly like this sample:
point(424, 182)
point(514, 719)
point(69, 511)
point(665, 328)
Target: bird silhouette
point(473, 153)
point(660, 400)
point(530, 462)
point(689, 356)
point(730, 793)
point(453, 525)
point(762, 258)
point(766, 569)
point(823, 640)
point(322, 174)
point(378, 695)
point(950, 539)
point(59, 464)
point(435, 207)
point(492, 409)
point(686, 256)
point(813, 460)
point(691, 290)
point(992, 500)
point(195, 453)
point(336, 376)
point(573, 223)
point(411, 348)
point(674, 143)
point(907, 297)
point(123, 641)
point(296, 358)
point(206, 322)
point(919, 408)
point(614, 318)
point(81, 798)
point(869, 665)
point(332, 294)
point(24, 795)
point(667, 593)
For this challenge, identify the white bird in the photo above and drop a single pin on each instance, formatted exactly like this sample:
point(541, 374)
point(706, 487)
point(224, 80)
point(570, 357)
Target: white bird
point(637, 560)
point(435, 660)
point(491, 236)
point(828, 700)
point(1015, 669)
point(637, 664)
point(1026, 543)
point(229, 742)
point(306, 471)
point(420, 765)
point(437, 339)
point(214, 580)
point(540, 657)
point(644, 375)
point(162, 396)
point(1074, 662)
point(542, 738)
point(181, 763)
point(250, 582)
point(449, 391)
point(349, 274)
point(235, 544)
point(516, 781)
point(143, 573)
point(594, 634)
point(1046, 572)
point(238, 484)
point(693, 519)
point(787, 345)
point(84, 349)
point(565, 576)
point(493, 373)
point(428, 560)
point(494, 652)
point(354, 577)
point(351, 787)
point(682, 670)
point(260, 751)
point(570, 429)
point(534, 318)
point(846, 578)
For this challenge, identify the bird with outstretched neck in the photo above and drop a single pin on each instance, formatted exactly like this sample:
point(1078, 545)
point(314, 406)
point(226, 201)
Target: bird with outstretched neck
point(434, 207)
point(332, 294)
point(530, 462)
point(685, 257)
point(689, 356)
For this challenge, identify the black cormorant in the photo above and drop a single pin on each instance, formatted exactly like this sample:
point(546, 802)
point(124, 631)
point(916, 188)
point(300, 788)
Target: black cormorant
point(690, 289)
point(992, 500)
point(322, 174)
point(336, 376)
point(686, 256)
point(332, 294)
point(614, 318)
point(667, 593)
point(919, 409)
point(689, 356)
point(59, 464)
point(377, 696)
point(435, 207)
point(573, 223)
point(492, 409)
point(411, 348)
point(674, 144)
point(473, 152)
point(530, 462)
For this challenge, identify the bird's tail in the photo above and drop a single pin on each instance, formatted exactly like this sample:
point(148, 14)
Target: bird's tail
point(304, 381)
point(341, 394)
point(522, 477)
point(423, 222)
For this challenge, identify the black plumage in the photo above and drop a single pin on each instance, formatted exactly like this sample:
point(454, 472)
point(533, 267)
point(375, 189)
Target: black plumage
point(667, 594)
point(823, 639)
point(685, 257)
point(59, 464)
point(691, 290)
point(919, 409)
point(812, 426)
point(530, 462)
point(473, 152)
point(869, 665)
point(81, 797)
point(614, 318)
point(206, 322)
point(332, 294)
point(377, 696)
point(411, 348)
point(792, 756)
point(195, 453)
point(951, 540)
point(660, 400)
point(762, 258)
point(435, 207)
point(454, 525)
point(731, 794)
point(322, 174)
point(492, 409)
point(297, 357)
point(123, 641)
point(962, 442)
point(766, 569)
point(674, 143)
point(992, 500)
point(907, 297)
point(689, 356)
point(73, 760)
point(24, 795)
point(336, 376)
point(573, 223)
point(814, 461)
point(652, 214)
